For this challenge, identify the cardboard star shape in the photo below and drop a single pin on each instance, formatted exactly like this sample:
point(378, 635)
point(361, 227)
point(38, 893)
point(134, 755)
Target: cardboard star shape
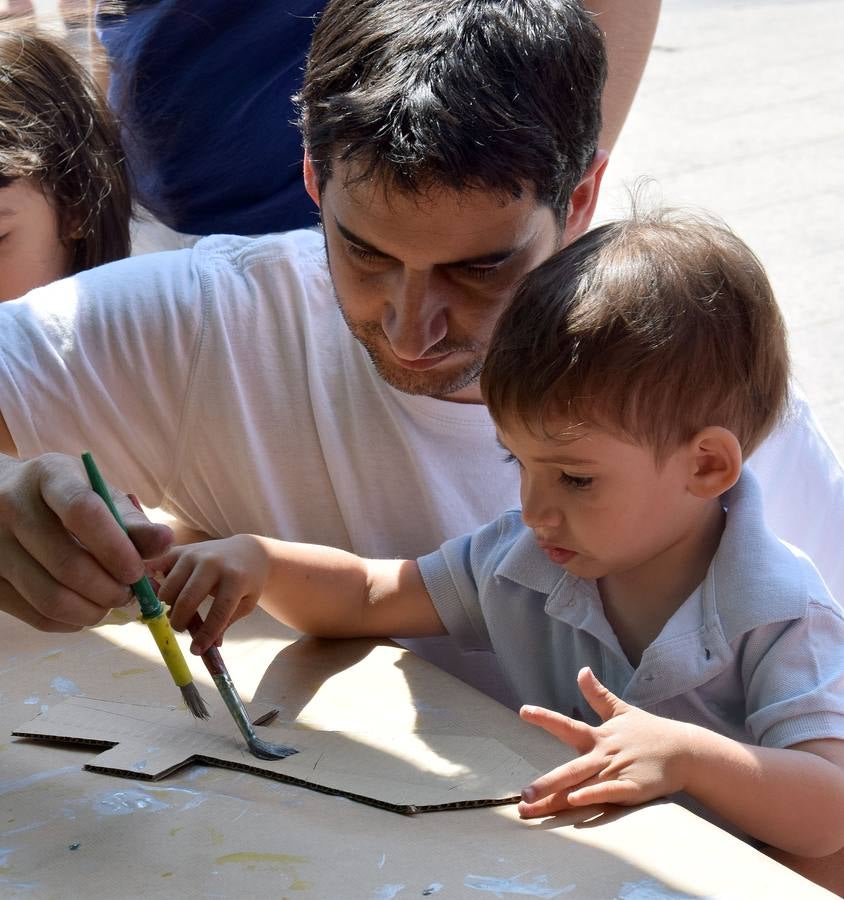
point(408, 772)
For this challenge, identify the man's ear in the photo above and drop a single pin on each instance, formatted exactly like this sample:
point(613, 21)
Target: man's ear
point(311, 179)
point(584, 198)
point(714, 462)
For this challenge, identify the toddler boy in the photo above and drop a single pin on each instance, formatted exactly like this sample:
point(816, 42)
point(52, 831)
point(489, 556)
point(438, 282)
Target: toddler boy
point(637, 603)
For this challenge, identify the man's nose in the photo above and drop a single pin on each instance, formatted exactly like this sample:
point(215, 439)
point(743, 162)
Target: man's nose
point(415, 317)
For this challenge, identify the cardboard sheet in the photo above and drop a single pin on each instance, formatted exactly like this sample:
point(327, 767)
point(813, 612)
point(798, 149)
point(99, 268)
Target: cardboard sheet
point(405, 772)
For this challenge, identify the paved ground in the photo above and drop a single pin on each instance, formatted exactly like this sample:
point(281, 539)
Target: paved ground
point(741, 112)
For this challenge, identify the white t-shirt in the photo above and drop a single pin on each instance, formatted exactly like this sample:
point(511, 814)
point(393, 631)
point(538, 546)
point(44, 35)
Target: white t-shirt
point(222, 384)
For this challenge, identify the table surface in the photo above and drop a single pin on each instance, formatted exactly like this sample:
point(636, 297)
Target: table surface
point(210, 832)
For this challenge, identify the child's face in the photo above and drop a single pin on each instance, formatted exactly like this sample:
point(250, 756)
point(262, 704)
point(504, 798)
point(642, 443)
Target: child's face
point(32, 251)
point(598, 504)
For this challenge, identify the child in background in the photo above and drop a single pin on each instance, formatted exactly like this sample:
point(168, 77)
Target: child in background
point(630, 377)
point(65, 201)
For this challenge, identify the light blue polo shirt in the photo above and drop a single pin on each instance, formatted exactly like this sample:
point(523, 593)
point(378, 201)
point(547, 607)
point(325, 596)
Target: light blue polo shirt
point(755, 653)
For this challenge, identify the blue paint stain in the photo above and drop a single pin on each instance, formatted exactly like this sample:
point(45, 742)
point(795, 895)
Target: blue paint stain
point(388, 891)
point(32, 701)
point(122, 803)
point(64, 686)
point(519, 884)
point(434, 888)
point(650, 889)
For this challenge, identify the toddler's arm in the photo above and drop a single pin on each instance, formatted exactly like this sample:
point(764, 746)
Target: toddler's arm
point(317, 590)
point(792, 799)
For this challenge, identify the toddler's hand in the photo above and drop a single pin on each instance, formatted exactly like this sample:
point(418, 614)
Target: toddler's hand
point(632, 757)
point(232, 570)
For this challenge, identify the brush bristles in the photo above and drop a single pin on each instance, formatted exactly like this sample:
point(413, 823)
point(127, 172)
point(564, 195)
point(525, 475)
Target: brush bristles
point(194, 701)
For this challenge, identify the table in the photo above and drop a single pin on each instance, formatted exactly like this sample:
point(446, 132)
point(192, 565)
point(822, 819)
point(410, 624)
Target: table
point(208, 832)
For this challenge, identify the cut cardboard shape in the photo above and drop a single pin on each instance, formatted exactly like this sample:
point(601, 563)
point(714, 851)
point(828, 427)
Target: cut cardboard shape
point(407, 772)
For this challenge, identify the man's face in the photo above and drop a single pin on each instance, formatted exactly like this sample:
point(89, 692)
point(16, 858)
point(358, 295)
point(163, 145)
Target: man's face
point(422, 280)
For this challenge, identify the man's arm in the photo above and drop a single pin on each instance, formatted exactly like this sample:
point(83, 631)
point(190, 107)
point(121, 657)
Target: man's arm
point(629, 32)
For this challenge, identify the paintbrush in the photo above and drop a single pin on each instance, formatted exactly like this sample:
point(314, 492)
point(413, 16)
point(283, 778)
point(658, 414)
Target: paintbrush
point(219, 673)
point(153, 612)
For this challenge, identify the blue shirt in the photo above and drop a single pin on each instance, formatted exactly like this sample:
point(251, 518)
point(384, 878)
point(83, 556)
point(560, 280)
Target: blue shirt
point(203, 90)
point(755, 653)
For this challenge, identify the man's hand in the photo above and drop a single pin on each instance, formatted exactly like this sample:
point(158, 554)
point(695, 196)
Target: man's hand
point(632, 757)
point(64, 560)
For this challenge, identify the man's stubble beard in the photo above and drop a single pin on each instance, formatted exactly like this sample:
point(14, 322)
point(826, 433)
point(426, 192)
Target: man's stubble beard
point(439, 385)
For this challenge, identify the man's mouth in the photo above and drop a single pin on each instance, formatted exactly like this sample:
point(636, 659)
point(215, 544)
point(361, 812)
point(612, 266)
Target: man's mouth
point(421, 365)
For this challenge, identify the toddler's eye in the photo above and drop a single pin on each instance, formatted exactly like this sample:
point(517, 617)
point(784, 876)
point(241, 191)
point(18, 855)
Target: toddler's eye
point(578, 482)
point(509, 458)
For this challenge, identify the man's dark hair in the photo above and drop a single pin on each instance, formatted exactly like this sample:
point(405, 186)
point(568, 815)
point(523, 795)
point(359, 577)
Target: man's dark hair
point(497, 95)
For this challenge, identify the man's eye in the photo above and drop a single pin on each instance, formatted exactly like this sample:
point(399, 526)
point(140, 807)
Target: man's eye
point(479, 273)
point(361, 254)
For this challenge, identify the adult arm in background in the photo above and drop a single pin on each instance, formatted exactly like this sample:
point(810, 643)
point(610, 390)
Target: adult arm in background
point(64, 560)
point(629, 30)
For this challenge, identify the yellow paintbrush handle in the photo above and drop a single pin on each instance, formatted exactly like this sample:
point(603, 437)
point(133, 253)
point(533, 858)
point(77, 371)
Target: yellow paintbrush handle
point(165, 637)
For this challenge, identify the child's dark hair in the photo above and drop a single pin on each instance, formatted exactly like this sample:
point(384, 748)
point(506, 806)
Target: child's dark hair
point(56, 129)
point(654, 327)
point(499, 95)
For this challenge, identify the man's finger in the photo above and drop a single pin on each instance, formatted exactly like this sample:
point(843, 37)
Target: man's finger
point(58, 576)
point(66, 492)
point(74, 609)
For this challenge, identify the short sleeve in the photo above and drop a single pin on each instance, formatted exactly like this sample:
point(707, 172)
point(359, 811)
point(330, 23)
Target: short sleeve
point(794, 679)
point(457, 575)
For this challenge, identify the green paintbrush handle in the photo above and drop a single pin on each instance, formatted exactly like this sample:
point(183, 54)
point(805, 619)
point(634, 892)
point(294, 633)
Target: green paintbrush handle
point(149, 603)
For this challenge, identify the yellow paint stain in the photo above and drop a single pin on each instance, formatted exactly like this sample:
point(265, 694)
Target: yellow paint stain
point(126, 672)
point(174, 830)
point(217, 837)
point(283, 858)
point(299, 885)
point(52, 655)
point(166, 874)
point(4, 746)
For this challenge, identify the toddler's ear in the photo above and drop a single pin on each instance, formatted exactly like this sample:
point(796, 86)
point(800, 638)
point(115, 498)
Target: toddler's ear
point(714, 462)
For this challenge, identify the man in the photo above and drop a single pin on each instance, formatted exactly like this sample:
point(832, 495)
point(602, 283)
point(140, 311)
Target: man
point(452, 146)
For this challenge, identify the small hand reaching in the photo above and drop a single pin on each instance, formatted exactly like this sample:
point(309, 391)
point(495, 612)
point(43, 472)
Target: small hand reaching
point(633, 756)
point(232, 570)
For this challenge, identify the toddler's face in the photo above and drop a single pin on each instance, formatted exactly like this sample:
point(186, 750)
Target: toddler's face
point(598, 504)
point(32, 252)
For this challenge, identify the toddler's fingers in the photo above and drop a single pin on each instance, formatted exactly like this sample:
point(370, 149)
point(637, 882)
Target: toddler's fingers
point(561, 779)
point(547, 806)
point(200, 582)
point(176, 573)
point(600, 698)
point(166, 561)
point(230, 604)
point(570, 731)
point(621, 793)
